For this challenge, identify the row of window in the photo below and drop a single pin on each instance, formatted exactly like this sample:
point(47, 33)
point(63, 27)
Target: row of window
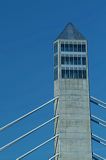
point(73, 60)
point(70, 60)
point(73, 47)
point(70, 47)
point(73, 74)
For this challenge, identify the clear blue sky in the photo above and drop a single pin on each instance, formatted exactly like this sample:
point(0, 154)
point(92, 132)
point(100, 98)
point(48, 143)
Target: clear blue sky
point(27, 31)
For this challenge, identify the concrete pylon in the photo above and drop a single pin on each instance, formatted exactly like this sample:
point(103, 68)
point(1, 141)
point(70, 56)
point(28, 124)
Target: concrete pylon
point(71, 83)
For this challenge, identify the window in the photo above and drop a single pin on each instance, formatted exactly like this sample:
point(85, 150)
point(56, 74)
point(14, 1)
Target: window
point(75, 60)
point(71, 60)
point(84, 74)
point(80, 74)
point(79, 60)
point(55, 47)
point(70, 47)
point(67, 60)
point(67, 73)
point(71, 74)
point(75, 74)
point(62, 47)
point(55, 73)
point(83, 60)
point(79, 47)
point(75, 47)
point(63, 73)
point(62, 60)
point(83, 48)
point(66, 47)
point(55, 60)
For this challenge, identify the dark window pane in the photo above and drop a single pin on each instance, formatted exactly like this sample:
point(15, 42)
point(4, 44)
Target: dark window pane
point(83, 48)
point(84, 74)
point(67, 60)
point(63, 73)
point(66, 47)
point(62, 60)
point(84, 60)
point(62, 47)
point(79, 47)
point(75, 74)
point(71, 74)
point(80, 74)
point(55, 73)
point(55, 60)
point(75, 47)
point(75, 60)
point(55, 47)
point(71, 60)
point(79, 60)
point(67, 73)
point(71, 47)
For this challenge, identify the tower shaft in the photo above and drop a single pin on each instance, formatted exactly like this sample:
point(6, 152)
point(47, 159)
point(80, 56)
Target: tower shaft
point(72, 85)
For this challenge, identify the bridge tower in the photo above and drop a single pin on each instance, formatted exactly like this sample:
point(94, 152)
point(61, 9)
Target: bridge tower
point(71, 84)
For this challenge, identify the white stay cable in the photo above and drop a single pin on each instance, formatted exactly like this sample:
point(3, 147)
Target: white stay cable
point(56, 155)
point(39, 146)
point(27, 114)
point(98, 120)
point(26, 134)
point(98, 102)
point(97, 156)
point(99, 139)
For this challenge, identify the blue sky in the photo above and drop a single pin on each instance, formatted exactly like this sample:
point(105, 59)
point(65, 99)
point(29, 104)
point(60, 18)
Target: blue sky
point(27, 31)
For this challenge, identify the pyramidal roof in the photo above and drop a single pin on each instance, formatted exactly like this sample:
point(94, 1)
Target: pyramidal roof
point(70, 32)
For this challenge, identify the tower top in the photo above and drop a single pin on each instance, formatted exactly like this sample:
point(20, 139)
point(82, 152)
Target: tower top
point(70, 33)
